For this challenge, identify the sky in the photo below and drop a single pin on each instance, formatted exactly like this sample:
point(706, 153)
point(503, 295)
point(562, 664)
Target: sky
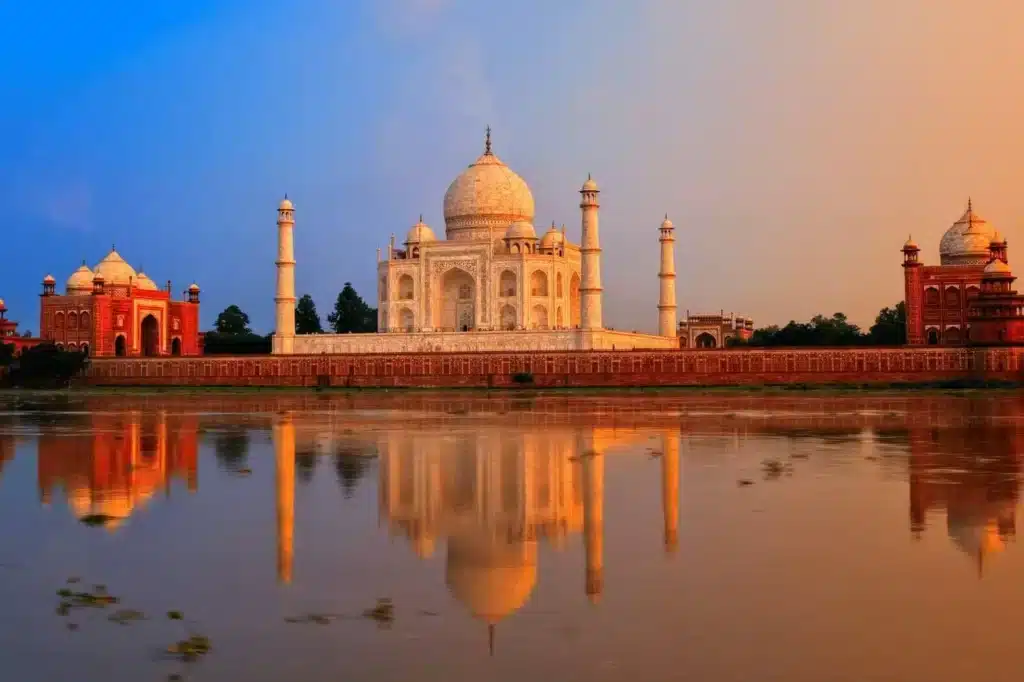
point(794, 143)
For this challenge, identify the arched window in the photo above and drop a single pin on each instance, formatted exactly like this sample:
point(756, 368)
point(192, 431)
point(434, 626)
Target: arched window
point(972, 291)
point(931, 297)
point(72, 320)
point(58, 320)
point(507, 284)
point(952, 335)
point(120, 346)
point(83, 320)
point(558, 286)
point(952, 297)
point(406, 288)
point(538, 283)
point(176, 346)
point(85, 349)
point(933, 337)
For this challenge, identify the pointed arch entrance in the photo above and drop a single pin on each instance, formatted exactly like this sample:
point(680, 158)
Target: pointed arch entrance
point(149, 331)
point(458, 301)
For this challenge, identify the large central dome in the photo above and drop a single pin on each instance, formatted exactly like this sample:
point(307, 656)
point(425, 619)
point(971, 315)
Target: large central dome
point(486, 195)
point(967, 241)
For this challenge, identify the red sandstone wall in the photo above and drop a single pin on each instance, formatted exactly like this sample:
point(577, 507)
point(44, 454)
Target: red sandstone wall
point(579, 369)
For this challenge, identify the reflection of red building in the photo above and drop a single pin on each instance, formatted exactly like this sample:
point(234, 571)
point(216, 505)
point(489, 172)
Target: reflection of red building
point(973, 475)
point(119, 462)
point(9, 332)
point(940, 298)
point(114, 310)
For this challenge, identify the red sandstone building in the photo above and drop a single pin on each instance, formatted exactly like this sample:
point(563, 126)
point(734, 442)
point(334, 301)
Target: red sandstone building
point(9, 332)
point(967, 298)
point(115, 311)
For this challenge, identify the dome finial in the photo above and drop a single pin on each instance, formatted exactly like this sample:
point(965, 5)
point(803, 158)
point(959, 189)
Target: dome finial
point(487, 142)
point(421, 217)
point(969, 204)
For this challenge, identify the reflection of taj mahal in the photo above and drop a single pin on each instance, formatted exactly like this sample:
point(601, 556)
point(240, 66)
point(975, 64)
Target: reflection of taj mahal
point(492, 275)
point(491, 495)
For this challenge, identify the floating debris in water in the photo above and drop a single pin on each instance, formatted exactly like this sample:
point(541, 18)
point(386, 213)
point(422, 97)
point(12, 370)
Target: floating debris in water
point(383, 613)
point(743, 482)
point(774, 468)
point(126, 616)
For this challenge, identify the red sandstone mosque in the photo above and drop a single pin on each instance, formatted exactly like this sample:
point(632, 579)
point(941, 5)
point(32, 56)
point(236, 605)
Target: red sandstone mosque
point(968, 298)
point(112, 310)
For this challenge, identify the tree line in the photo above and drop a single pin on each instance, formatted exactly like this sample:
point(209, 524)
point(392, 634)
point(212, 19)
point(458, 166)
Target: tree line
point(232, 334)
point(889, 329)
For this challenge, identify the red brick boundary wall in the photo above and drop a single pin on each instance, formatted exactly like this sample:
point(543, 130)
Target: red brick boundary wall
point(816, 366)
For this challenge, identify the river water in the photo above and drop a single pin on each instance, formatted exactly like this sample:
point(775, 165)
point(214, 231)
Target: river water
point(426, 536)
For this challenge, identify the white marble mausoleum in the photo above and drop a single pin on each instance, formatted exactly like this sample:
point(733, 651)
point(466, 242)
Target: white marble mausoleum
point(492, 284)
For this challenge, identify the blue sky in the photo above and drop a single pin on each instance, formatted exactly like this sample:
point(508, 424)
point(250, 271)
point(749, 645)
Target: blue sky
point(793, 158)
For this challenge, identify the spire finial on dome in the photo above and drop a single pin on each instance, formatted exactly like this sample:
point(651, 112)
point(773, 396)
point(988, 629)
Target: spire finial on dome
point(487, 142)
point(421, 217)
point(969, 204)
point(666, 216)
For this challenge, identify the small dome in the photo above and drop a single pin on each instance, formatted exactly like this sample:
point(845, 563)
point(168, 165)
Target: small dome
point(80, 280)
point(997, 267)
point(98, 277)
point(998, 238)
point(967, 241)
point(2, 304)
point(419, 233)
point(589, 185)
point(49, 279)
point(115, 270)
point(666, 224)
point(910, 244)
point(285, 205)
point(142, 281)
point(552, 238)
point(193, 287)
point(520, 229)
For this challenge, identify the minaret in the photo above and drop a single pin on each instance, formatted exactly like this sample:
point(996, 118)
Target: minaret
point(590, 248)
point(284, 454)
point(913, 293)
point(670, 488)
point(593, 518)
point(667, 277)
point(284, 300)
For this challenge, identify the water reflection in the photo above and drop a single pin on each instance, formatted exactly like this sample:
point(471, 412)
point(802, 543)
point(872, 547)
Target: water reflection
point(118, 464)
point(503, 509)
point(490, 495)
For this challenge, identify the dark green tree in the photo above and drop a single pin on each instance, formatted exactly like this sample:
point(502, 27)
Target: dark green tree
point(231, 447)
point(890, 327)
point(307, 320)
point(351, 313)
point(305, 465)
point(232, 321)
point(351, 464)
point(6, 354)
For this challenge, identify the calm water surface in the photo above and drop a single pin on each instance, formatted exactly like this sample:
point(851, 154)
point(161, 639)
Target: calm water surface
point(569, 537)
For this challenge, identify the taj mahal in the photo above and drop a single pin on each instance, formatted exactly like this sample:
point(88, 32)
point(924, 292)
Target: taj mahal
point(490, 285)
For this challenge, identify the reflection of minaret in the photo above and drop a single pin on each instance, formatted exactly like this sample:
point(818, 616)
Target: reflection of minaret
point(284, 454)
point(670, 488)
point(593, 517)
